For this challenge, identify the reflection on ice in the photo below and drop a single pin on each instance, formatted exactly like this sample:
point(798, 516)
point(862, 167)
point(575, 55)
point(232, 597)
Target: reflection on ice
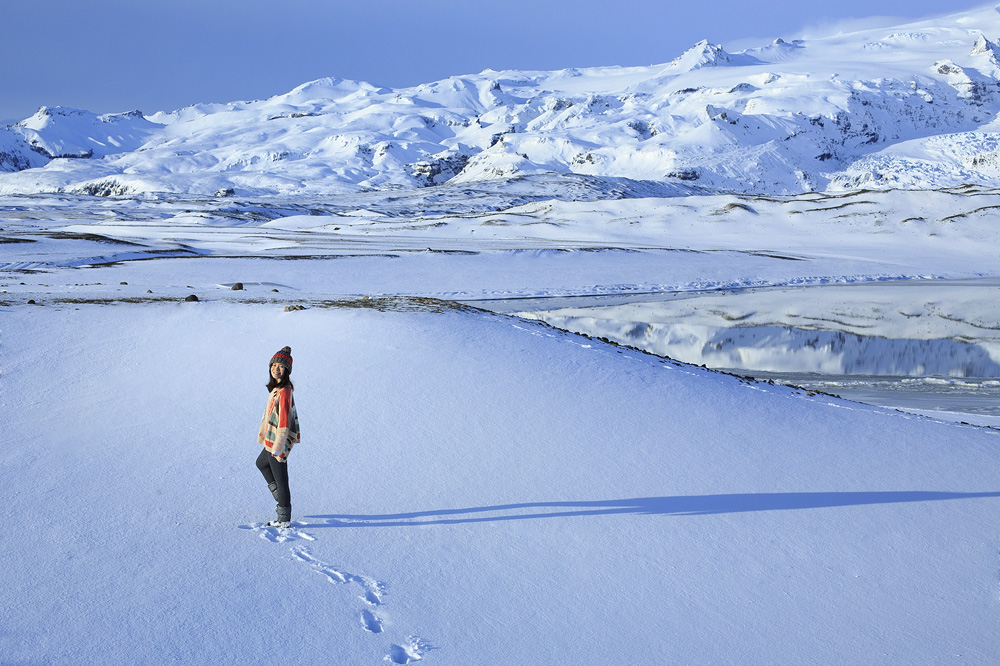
point(787, 349)
point(927, 345)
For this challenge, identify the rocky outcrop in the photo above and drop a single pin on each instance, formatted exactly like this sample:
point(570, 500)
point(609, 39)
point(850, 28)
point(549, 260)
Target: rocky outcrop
point(105, 188)
point(440, 170)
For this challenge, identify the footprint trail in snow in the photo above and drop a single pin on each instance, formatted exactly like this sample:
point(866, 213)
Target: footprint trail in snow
point(373, 593)
point(373, 590)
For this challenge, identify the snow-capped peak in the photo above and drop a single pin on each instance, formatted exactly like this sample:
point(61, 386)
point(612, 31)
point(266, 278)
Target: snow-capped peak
point(983, 45)
point(60, 131)
point(326, 89)
point(702, 54)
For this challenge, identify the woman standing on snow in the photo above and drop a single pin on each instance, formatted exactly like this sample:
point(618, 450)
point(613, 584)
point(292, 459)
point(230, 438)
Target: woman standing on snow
point(279, 432)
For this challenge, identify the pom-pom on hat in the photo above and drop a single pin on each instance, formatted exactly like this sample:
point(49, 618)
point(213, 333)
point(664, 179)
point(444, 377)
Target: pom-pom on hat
point(283, 357)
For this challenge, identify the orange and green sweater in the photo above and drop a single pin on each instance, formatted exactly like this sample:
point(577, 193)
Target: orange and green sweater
point(279, 429)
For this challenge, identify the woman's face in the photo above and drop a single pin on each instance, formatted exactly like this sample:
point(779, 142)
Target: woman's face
point(278, 371)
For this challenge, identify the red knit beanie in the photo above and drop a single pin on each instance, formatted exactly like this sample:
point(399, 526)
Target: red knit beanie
point(283, 357)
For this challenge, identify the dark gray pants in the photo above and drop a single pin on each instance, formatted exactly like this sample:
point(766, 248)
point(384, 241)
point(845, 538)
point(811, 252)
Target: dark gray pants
point(277, 473)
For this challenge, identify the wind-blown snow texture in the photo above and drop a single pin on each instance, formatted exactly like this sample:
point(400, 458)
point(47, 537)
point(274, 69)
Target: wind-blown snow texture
point(910, 107)
point(470, 488)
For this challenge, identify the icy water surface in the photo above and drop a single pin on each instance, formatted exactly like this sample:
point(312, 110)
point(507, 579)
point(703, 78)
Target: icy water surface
point(920, 345)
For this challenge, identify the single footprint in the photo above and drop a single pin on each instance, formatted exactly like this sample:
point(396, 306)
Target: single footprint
point(374, 590)
point(413, 649)
point(371, 622)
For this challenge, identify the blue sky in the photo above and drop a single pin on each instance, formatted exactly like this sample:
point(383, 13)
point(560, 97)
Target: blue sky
point(153, 55)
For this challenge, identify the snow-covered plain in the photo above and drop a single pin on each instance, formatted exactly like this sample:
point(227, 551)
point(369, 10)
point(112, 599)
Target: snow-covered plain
point(473, 487)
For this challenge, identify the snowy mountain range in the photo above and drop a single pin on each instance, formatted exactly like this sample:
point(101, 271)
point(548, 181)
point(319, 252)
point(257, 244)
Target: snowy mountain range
point(910, 107)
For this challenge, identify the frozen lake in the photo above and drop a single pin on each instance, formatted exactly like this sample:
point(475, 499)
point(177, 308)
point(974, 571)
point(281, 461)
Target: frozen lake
point(797, 291)
point(929, 346)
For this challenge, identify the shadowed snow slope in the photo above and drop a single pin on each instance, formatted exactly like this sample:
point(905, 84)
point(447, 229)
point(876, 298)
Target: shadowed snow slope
point(906, 107)
point(473, 489)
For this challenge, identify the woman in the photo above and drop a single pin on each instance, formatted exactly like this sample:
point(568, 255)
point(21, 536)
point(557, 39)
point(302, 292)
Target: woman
point(279, 432)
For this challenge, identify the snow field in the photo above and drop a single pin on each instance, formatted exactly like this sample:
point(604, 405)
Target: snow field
point(509, 493)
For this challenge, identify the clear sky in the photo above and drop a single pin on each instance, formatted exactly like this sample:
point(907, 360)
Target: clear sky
point(158, 55)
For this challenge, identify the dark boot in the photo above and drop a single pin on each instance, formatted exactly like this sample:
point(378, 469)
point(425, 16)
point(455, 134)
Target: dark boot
point(284, 517)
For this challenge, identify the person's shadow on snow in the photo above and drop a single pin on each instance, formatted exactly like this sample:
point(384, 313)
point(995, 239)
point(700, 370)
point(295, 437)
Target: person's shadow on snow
point(690, 505)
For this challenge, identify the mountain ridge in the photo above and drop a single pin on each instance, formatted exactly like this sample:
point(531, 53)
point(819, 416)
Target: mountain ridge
point(910, 107)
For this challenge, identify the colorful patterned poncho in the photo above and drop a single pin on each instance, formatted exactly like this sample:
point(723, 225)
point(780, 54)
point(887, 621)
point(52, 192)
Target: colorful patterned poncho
point(279, 429)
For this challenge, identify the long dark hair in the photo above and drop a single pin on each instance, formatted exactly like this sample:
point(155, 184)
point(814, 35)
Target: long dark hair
point(273, 383)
